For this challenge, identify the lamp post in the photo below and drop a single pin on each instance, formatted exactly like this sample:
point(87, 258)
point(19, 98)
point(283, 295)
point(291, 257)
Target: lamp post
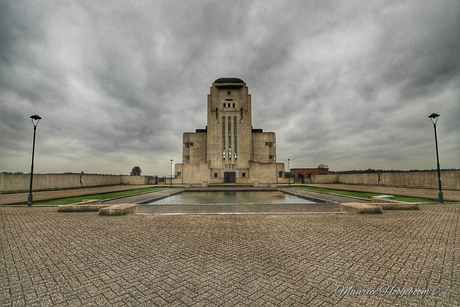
point(35, 120)
point(171, 172)
point(81, 179)
point(289, 167)
point(434, 119)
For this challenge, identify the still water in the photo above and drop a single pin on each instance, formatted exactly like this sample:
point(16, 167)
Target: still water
point(231, 197)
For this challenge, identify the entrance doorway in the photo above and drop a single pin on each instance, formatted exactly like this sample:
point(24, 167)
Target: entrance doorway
point(229, 177)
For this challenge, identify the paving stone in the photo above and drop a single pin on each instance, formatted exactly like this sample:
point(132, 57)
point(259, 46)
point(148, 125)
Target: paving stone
point(73, 259)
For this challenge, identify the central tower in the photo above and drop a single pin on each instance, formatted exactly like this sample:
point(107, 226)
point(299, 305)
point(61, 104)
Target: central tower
point(229, 150)
point(229, 125)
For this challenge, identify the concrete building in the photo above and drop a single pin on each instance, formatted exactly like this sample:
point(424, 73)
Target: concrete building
point(229, 150)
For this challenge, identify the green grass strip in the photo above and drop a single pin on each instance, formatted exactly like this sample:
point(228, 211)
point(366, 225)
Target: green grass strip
point(366, 195)
point(104, 196)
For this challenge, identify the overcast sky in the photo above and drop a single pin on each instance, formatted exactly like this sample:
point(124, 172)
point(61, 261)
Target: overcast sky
point(346, 83)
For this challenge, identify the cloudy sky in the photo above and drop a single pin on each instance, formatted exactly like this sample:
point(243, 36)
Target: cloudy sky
point(346, 83)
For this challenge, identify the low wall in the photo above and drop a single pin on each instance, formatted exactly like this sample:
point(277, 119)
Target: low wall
point(450, 179)
point(21, 182)
point(428, 180)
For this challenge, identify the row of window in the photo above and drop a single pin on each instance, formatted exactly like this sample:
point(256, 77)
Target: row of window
point(229, 146)
point(187, 158)
point(187, 144)
point(270, 144)
point(243, 175)
point(229, 105)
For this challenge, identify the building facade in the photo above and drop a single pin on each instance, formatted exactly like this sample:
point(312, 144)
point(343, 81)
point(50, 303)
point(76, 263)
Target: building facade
point(304, 175)
point(229, 149)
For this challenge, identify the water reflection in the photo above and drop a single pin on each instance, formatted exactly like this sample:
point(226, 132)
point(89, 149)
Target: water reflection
point(231, 197)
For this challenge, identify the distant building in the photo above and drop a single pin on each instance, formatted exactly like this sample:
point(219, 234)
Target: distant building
point(229, 150)
point(303, 175)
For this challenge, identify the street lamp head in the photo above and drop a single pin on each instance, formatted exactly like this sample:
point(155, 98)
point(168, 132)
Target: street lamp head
point(433, 117)
point(35, 119)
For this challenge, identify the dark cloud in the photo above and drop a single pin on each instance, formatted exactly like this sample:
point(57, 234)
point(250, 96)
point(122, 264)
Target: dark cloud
point(349, 84)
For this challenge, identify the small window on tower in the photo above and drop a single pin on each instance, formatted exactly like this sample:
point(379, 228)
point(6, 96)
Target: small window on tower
point(243, 174)
point(215, 175)
point(229, 92)
point(233, 104)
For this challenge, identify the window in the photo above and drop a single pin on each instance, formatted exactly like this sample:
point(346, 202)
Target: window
point(272, 157)
point(229, 92)
point(280, 174)
point(270, 144)
point(187, 144)
point(229, 137)
point(215, 175)
point(223, 137)
point(179, 174)
point(186, 158)
point(233, 104)
point(234, 136)
point(243, 174)
point(224, 104)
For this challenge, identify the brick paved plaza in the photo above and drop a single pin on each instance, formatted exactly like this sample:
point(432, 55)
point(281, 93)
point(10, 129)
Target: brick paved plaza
point(83, 259)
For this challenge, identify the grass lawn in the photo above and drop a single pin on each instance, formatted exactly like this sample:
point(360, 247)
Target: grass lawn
point(366, 195)
point(104, 196)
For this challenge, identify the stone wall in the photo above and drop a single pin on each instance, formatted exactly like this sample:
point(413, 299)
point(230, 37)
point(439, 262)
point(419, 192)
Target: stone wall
point(262, 151)
point(21, 182)
point(450, 179)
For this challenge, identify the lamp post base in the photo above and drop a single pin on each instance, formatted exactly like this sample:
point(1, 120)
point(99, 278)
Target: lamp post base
point(29, 200)
point(441, 197)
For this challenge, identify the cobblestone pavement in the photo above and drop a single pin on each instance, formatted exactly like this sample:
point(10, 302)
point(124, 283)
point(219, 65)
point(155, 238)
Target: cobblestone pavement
point(83, 259)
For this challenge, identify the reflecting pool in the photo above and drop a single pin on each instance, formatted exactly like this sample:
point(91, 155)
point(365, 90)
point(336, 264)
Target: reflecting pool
point(231, 197)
